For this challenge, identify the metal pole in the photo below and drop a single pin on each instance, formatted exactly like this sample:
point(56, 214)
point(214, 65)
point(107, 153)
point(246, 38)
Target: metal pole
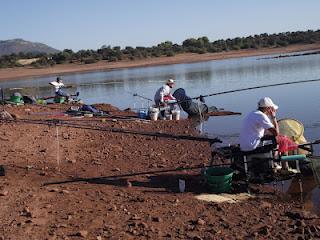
point(2, 98)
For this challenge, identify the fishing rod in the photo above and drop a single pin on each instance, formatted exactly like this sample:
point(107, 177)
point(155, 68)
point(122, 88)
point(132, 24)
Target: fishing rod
point(140, 96)
point(257, 87)
point(125, 175)
point(72, 85)
point(56, 122)
point(2, 99)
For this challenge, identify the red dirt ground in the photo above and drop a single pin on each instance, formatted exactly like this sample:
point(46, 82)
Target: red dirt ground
point(135, 207)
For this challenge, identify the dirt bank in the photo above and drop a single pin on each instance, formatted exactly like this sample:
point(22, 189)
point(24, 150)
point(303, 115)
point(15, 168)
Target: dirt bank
point(145, 206)
point(25, 72)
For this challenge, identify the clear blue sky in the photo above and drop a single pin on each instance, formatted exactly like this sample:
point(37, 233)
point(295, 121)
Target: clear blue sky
point(89, 24)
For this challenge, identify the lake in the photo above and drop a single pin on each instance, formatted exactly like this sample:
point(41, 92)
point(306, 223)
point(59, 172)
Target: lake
point(298, 101)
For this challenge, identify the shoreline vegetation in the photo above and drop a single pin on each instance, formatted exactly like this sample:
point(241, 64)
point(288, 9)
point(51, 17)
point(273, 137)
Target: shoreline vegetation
point(21, 65)
point(69, 68)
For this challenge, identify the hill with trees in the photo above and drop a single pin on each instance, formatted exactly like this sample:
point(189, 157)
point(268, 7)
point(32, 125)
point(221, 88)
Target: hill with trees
point(192, 45)
point(16, 46)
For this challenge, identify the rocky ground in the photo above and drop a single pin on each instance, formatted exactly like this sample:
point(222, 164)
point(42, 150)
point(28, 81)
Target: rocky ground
point(58, 186)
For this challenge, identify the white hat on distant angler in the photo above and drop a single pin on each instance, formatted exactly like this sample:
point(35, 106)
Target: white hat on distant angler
point(170, 81)
point(267, 102)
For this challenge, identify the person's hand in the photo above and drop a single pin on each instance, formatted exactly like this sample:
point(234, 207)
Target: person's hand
point(271, 112)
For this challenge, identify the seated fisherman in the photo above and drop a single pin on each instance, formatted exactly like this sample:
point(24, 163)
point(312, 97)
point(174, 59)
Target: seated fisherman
point(164, 99)
point(163, 94)
point(58, 84)
point(257, 122)
point(253, 130)
point(191, 107)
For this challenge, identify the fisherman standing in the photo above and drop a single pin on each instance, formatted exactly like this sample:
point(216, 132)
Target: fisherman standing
point(163, 94)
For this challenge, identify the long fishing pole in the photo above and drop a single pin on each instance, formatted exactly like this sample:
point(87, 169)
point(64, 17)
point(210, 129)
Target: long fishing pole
point(125, 175)
point(257, 87)
point(56, 122)
point(140, 96)
point(2, 99)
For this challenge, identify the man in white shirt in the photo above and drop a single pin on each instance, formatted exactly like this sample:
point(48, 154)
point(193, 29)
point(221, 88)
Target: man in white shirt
point(163, 94)
point(58, 85)
point(257, 122)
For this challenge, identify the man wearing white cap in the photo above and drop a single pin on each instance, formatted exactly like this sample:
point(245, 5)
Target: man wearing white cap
point(163, 94)
point(255, 124)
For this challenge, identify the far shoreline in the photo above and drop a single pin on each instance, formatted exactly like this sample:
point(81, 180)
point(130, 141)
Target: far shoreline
point(8, 74)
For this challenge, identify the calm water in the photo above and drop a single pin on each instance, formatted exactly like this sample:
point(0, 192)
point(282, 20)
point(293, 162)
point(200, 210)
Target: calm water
point(299, 101)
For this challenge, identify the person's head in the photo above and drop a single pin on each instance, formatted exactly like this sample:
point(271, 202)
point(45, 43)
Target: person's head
point(59, 79)
point(265, 104)
point(170, 83)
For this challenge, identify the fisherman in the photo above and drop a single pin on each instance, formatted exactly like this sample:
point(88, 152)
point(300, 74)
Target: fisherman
point(163, 94)
point(257, 122)
point(165, 101)
point(191, 107)
point(58, 84)
point(253, 134)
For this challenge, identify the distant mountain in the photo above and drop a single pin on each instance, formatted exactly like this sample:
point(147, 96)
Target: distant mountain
point(20, 45)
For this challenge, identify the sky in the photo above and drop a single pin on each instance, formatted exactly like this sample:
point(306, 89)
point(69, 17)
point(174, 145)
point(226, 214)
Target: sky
point(89, 24)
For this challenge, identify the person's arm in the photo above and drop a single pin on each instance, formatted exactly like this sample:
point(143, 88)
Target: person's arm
point(275, 130)
point(164, 92)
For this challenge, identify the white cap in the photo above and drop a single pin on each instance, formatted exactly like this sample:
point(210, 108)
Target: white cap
point(170, 81)
point(267, 102)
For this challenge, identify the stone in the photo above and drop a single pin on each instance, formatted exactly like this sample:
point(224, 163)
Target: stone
point(4, 193)
point(129, 184)
point(201, 222)
point(82, 233)
point(26, 212)
point(265, 204)
point(53, 190)
point(156, 219)
point(4, 115)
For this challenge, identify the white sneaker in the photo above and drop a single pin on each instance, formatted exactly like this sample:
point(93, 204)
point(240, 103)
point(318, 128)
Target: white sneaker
point(293, 170)
point(277, 166)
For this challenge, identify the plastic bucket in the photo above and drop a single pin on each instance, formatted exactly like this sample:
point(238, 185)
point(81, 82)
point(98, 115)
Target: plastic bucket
point(59, 99)
point(168, 116)
point(153, 113)
point(142, 114)
point(41, 101)
point(219, 179)
point(176, 114)
point(154, 116)
point(16, 99)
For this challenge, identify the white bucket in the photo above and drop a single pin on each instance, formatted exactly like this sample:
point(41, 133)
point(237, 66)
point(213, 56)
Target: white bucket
point(176, 114)
point(154, 116)
point(168, 116)
point(153, 113)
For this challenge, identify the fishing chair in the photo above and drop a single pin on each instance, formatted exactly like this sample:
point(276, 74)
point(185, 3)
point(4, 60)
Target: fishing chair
point(258, 163)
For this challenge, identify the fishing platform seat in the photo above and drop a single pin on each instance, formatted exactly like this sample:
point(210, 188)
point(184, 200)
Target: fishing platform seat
point(257, 162)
